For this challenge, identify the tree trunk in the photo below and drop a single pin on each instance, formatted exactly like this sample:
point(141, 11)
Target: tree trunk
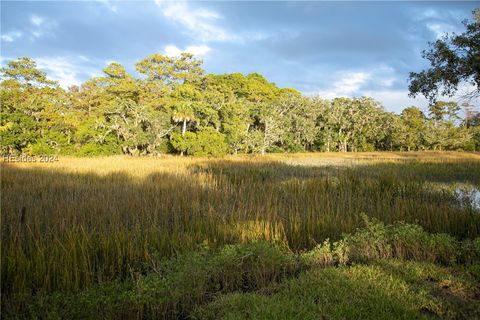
point(184, 127)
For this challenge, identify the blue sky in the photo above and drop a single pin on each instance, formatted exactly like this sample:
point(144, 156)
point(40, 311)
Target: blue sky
point(327, 48)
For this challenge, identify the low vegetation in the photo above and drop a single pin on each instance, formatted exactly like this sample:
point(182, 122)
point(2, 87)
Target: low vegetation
point(261, 280)
point(174, 237)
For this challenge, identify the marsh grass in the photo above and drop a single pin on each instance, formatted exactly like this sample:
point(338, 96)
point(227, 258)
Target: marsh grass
point(197, 283)
point(387, 289)
point(71, 225)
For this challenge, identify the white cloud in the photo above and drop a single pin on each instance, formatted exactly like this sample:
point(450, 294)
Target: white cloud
point(396, 100)
point(430, 13)
point(172, 51)
point(440, 22)
point(109, 5)
point(65, 70)
point(257, 35)
point(11, 36)
point(41, 26)
point(387, 82)
point(59, 69)
point(348, 84)
point(200, 23)
point(36, 34)
point(353, 83)
point(199, 50)
point(384, 76)
point(83, 58)
point(440, 29)
point(376, 82)
point(37, 20)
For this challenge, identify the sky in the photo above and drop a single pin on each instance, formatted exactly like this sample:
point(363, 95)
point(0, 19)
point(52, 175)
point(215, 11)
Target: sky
point(330, 49)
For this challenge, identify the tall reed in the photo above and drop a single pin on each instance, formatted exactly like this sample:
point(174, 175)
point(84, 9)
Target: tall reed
point(71, 224)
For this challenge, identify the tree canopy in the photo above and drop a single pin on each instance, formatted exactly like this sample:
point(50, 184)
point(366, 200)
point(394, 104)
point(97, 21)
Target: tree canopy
point(454, 59)
point(172, 106)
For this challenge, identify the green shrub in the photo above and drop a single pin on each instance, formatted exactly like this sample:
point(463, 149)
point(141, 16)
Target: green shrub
point(171, 289)
point(248, 267)
point(322, 255)
point(470, 251)
point(443, 248)
point(370, 242)
point(179, 284)
point(207, 142)
point(407, 240)
point(358, 292)
point(400, 240)
point(95, 149)
point(341, 251)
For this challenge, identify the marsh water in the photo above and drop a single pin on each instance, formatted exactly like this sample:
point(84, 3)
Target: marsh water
point(468, 197)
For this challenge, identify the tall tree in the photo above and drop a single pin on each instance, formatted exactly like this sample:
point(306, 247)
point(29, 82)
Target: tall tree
point(411, 131)
point(454, 59)
point(31, 109)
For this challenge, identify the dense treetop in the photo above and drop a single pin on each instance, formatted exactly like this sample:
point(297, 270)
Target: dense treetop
point(454, 59)
point(174, 107)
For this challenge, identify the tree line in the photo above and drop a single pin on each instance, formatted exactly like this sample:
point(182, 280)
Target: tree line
point(174, 107)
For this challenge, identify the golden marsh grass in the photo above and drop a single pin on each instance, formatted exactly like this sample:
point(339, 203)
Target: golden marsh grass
point(70, 224)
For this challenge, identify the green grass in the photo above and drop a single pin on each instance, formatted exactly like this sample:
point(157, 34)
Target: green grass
point(388, 289)
point(98, 230)
point(362, 275)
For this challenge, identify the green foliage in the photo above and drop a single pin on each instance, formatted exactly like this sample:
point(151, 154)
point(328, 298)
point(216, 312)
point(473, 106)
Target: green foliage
point(15, 132)
point(401, 240)
point(261, 279)
point(324, 255)
point(25, 72)
point(453, 59)
point(385, 290)
point(171, 70)
point(240, 114)
point(171, 289)
point(95, 149)
point(207, 142)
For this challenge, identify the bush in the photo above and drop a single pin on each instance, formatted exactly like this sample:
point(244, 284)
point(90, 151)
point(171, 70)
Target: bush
point(400, 240)
point(208, 142)
point(248, 267)
point(371, 242)
point(171, 289)
point(322, 255)
point(470, 251)
point(96, 149)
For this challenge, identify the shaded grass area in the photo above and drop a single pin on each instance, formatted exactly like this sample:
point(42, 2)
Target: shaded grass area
point(360, 276)
point(82, 225)
point(388, 289)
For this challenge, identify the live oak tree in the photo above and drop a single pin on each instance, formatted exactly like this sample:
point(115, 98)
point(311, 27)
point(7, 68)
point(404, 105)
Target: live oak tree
point(172, 106)
point(32, 110)
point(454, 59)
point(442, 131)
point(412, 129)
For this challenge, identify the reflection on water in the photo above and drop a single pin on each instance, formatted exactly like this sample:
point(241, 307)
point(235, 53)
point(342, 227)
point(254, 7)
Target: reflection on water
point(468, 197)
